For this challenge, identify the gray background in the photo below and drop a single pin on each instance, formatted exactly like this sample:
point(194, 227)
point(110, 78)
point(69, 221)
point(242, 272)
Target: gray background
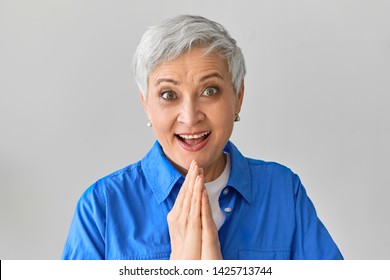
point(317, 98)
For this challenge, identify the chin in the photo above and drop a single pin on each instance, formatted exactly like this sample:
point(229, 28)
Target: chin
point(185, 163)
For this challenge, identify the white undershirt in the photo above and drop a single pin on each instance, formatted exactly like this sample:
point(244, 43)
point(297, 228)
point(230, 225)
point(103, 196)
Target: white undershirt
point(214, 189)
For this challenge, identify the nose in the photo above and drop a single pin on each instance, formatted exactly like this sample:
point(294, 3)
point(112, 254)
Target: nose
point(190, 113)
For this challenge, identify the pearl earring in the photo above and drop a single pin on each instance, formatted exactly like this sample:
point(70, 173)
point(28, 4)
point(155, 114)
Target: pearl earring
point(237, 118)
point(149, 123)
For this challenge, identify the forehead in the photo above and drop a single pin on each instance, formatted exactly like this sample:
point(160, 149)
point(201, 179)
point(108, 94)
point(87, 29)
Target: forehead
point(192, 65)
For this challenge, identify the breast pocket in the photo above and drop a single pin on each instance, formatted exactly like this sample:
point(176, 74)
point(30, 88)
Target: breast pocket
point(159, 256)
point(264, 254)
point(155, 256)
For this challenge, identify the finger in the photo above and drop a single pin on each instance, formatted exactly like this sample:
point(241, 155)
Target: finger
point(190, 182)
point(208, 223)
point(211, 249)
point(183, 189)
point(194, 225)
point(196, 200)
point(192, 174)
point(188, 175)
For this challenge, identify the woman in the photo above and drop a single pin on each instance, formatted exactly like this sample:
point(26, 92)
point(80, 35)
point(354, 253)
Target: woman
point(194, 196)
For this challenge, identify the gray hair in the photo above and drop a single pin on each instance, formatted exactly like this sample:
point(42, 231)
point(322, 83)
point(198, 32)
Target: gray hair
point(173, 37)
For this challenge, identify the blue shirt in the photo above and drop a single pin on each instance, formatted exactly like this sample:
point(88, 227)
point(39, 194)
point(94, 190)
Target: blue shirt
point(268, 213)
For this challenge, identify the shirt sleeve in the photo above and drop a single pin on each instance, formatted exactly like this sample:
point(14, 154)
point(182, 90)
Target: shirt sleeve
point(311, 239)
point(87, 231)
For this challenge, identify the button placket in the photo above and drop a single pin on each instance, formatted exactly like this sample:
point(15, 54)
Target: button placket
point(227, 200)
point(227, 210)
point(225, 191)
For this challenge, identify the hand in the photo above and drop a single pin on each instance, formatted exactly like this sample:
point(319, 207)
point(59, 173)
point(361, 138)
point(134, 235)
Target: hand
point(211, 249)
point(192, 230)
point(184, 220)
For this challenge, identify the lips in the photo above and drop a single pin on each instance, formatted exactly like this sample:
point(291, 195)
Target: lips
point(193, 141)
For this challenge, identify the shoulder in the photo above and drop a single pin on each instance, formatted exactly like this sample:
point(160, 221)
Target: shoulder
point(270, 168)
point(274, 182)
point(257, 165)
point(128, 173)
point(268, 165)
point(271, 172)
point(115, 183)
point(265, 173)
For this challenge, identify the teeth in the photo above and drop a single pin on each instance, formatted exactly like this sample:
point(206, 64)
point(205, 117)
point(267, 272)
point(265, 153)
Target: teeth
point(194, 136)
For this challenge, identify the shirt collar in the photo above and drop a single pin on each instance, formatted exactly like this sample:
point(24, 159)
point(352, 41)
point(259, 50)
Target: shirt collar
point(159, 172)
point(161, 175)
point(240, 177)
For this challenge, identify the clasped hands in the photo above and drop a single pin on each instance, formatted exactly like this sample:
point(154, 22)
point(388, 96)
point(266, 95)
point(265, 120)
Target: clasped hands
point(192, 230)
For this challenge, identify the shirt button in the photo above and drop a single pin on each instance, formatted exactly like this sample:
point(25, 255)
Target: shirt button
point(225, 191)
point(228, 209)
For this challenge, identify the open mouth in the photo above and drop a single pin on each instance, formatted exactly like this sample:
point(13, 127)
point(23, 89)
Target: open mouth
point(193, 140)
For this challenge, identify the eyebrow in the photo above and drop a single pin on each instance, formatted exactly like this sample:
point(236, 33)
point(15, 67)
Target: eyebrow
point(159, 81)
point(212, 75)
point(172, 81)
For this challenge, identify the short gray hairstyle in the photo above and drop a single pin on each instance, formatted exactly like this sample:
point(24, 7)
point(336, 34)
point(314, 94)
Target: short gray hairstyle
point(173, 37)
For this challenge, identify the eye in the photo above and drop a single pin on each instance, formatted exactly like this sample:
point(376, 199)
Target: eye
point(210, 91)
point(168, 95)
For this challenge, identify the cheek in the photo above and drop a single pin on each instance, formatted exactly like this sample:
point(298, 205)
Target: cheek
point(223, 114)
point(162, 125)
point(222, 125)
point(224, 120)
point(163, 122)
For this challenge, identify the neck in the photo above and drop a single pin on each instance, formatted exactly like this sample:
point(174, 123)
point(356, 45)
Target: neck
point(212, 172)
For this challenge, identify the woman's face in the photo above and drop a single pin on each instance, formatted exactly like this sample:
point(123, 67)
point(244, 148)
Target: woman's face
point(192, 104)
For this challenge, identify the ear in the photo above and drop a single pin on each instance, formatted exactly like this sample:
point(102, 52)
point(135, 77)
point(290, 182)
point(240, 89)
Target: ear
point(240, 98)
point(144, 102)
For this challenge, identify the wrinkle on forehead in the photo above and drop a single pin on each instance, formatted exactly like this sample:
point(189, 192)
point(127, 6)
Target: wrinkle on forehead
point(193, 67)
